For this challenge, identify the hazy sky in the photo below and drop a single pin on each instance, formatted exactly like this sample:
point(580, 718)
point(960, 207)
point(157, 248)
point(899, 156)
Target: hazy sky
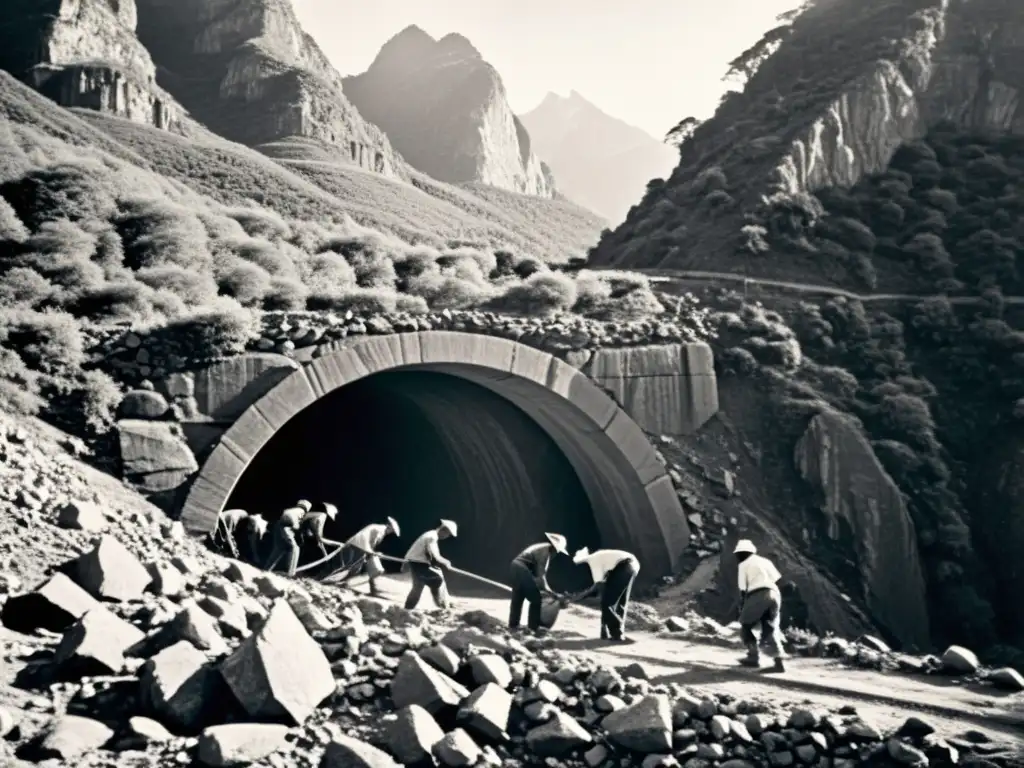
point(648, 62)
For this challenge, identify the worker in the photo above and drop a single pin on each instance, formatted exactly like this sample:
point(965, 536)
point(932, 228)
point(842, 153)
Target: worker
point(311, 527)
point(224, 534)
point(424, 561)
point(613, 571)
point(529, 580)
point(760, 603)
point(253, 529)
point(361, 552)
point(284, 537)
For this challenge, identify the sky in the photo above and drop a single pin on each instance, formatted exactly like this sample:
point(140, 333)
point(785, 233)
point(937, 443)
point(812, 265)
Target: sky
point(648, 62)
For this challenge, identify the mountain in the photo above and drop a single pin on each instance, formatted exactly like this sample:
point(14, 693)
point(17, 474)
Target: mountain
point(84, 53)
point(207, 75)
point(866, 182)
point(446, 111)
point(600, 162)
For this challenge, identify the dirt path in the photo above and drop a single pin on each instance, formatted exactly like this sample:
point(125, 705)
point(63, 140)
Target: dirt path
point(885, 699)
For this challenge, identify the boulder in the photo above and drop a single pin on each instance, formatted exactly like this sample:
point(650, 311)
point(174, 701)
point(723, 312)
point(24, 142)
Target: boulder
point(154, 459)
point(442, 657)
point(240, 743)
point(490, 668)
point(411, 736)
point(82, 516)
point(346, 752)
point(165, 579)
point(142, 404)
point(70, 737)
point(960, 660)
point(95, 644)
point(53, 606)
point(457, 750)
point(110, 572)
point(416, 682)
point(558, 737)
point(143, 731)
point(198, 627)
point(178, 686)
point(1006, 679)
point(645, 726)
point(486, 711)
point(279, 671)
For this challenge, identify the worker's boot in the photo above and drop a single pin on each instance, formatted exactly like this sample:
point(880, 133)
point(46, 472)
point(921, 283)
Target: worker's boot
point(752, 659)
point(375, 590)
point(780, 665)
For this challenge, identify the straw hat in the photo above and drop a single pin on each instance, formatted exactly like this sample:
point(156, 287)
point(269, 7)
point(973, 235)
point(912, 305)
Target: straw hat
point(744, 547)
point(451, 526)
point(303, 504)
point(581, 555)
point(557, 541)
point(331, 510)
point(393, 525)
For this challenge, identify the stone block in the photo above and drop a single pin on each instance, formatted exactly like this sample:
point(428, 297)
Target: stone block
point(225, 389)
point(153, 458)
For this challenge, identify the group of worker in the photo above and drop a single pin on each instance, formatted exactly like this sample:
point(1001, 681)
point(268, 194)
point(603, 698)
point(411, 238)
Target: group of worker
point(613, 571)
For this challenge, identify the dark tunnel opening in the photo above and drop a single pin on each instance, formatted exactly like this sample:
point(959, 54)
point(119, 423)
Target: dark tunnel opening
point(421, 446)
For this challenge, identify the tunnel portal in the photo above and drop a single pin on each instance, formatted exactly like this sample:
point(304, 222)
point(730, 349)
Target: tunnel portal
point(505, 439)
point(421, 446)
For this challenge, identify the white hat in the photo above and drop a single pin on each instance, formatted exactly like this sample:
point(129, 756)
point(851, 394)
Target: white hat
point(304, 504)
point(393, 525)
point(744, 546)
point(581, 555)
point(331, 510)
point(451, 526)
point(260, 522)
point(557, 541)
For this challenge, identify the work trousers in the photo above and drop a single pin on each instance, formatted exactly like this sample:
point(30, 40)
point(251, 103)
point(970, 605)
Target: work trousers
point(618, 586)
point(353, 561)
point(426, 576)
point(762, 607)
point(223, 537)
point(524, 589)
point(285, 548)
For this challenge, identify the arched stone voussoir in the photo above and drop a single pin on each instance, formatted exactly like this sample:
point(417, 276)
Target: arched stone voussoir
point(562, 379)
point(633, 442)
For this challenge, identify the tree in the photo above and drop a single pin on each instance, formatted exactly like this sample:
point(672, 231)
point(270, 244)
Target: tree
point(682, 131)
point(745, 66)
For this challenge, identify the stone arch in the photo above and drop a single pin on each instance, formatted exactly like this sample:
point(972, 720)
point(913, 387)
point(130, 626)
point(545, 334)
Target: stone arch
point(632, 497)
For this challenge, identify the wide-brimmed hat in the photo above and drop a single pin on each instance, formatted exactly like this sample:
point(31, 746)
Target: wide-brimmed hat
point(744, 547)
point(331, 510)
point(393, 525)
point(557, 541)
point(581, 555)
point(451, 526)
point(304, 504)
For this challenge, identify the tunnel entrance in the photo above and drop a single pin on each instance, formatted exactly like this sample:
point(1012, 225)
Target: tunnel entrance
point(419, 446)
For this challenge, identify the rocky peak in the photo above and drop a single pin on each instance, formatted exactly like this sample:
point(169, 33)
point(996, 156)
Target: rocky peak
point(84, 53)
point(248, 71)
point(445, 109)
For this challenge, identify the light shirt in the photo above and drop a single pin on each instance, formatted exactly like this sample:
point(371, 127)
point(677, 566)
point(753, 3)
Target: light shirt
point(232, 517)
point(604, 560)
point(757, 572)
point(368, 538)
point(291, 517)
point(424, 549)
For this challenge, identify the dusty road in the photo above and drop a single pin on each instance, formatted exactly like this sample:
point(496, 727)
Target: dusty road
point(885, 699)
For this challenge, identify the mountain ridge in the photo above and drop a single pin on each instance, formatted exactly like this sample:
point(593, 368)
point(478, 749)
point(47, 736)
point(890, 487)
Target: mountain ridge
point(446, 111)
point(600, 161)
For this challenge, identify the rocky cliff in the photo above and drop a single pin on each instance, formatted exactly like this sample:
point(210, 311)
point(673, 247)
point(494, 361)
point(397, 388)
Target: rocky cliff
point(817, 113)
point(600, 162)
point(84, 53)
point(247, 70)
point(446, 111)
point(865, 514)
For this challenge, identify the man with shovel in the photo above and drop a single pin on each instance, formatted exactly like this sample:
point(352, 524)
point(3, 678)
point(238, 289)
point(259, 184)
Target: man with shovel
point(529, 580)
point(613, 571)
point(760, 604)
point(311, 527)
point(424, 561)
point(284, 537)
point(360, 552)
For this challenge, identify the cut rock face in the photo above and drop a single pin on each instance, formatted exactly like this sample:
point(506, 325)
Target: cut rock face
point(280, 671)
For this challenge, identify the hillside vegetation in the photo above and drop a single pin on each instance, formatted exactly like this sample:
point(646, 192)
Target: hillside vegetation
point(105, 221)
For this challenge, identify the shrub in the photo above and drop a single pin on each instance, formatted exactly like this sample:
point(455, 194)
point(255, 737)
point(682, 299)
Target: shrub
point(412, 305)
point(447, 291)
point(81, 190)
point(327, 273)
point(736, 360)
point(47, 342)
point(543, 293)
point(19, 387)
point(285, 294)
point(24, 288)
point(635, 305)
point(260, 223)
point(363, 301)
point(193, 288)
point(225, 328)
point(85, 406)
point(11, 228)
point(907, 418)
point(265, 254)
point(127, 301)
point(157, 233)
point(245, 282)
point(850, 233)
